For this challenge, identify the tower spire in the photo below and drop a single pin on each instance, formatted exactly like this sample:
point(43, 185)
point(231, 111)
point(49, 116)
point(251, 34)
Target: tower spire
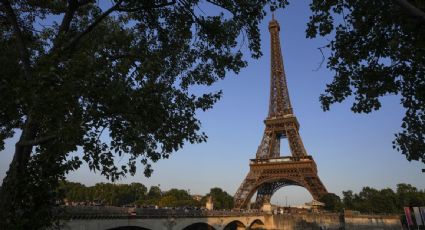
point(280, 103)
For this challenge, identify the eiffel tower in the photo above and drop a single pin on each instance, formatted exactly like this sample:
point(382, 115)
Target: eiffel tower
point(269, 171)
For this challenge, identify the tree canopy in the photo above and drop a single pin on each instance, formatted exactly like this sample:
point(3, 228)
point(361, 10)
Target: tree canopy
point(220, 198)
point(371, 200)
point(377, 49)
point(332, 202)
point(177, 198)
point(112, 78)
point(103, 193)
point(136, 194)
point(378, 201)
point(367, 200)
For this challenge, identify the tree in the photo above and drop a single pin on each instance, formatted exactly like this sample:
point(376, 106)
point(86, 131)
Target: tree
point(154, 192)
point(73, 191)
point(106, 193)
point(388, 202)
point(409, 195)
point(348, 199)
point(177, 198)
point(113, 79)
point(152, 197)
point(221, 199)
point(332, 202)
point(370, 200)
point(139, 191)
point(378, 50)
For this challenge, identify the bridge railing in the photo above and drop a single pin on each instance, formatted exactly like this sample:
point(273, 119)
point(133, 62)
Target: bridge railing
point(102, 212)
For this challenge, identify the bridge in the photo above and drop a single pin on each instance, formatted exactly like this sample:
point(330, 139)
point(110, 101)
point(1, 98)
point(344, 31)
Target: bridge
point(117, 218)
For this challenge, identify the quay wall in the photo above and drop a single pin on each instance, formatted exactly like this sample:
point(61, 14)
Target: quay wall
point(313, 221)
point(363, 222)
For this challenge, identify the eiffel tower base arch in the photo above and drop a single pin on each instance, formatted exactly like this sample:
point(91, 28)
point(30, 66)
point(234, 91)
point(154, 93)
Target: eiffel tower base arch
point(266, 176)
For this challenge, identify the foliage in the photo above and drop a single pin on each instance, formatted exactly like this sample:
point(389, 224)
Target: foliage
point(72, 191)
point(378, 50)
point(177, 198)
point(153, 196)
point(409, 195)
point(370, 200)
point(124, 194)
point(103, 193)
point(221, 199)
point(332, 202)
point(154, 192)
point(112, 78)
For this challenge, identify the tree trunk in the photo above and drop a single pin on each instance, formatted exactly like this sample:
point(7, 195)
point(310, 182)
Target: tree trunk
point(14, 187)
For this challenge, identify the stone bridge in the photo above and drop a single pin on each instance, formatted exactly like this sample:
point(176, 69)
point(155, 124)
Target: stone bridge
point(224, 223)
point(115, 218)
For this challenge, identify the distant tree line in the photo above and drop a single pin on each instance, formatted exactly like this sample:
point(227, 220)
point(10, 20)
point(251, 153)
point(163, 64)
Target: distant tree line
point(368, 200)
point(371, 200)
point(138, 194)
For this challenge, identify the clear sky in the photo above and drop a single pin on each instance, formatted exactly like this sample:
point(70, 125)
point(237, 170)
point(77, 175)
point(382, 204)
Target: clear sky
point(351, 150)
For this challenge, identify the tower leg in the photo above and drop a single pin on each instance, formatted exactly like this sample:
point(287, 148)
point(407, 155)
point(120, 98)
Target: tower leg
point(242, 196)
point(264, 195)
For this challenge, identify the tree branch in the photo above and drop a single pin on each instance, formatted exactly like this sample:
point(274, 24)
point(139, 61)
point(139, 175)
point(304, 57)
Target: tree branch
point(84, 2)
point(23, 51)
point(221, 6)
point(147, 7)
point(411, 9)
point(93, 25)
point(115, 7)
point(69, 14)
point(195, 18)
point(164, 4)
point(37, 141)
point(67, 18)
point(323, 59)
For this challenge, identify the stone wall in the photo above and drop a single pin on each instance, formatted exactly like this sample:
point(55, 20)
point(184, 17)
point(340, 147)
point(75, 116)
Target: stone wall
point(307, 221)
point(361, 222)
point(313, 221)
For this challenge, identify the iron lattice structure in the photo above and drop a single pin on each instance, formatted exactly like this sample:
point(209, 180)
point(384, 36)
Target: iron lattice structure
point(269, 171)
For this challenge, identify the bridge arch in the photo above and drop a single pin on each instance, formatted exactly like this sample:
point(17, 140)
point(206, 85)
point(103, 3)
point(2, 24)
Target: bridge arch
point(116, 224)
point(234, 225)
point(256, 224)
point(199, 226)
point(129, 228)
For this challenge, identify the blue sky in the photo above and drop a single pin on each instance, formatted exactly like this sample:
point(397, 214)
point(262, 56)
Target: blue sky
point(351, 150)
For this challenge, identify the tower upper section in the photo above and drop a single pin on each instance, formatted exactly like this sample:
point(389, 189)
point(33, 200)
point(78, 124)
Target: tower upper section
point(280, 103)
